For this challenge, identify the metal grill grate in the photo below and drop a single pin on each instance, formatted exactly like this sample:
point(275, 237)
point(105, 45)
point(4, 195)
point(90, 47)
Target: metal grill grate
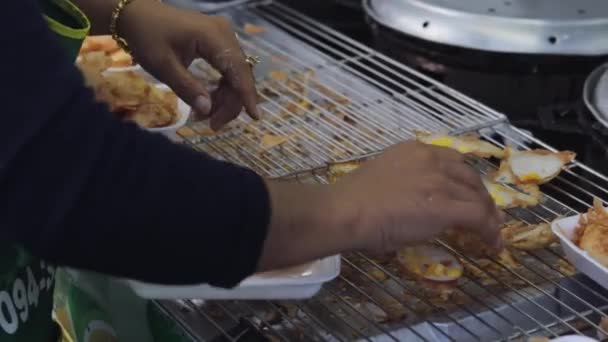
point(331, 98)
point(373, 300)
point(356, 103)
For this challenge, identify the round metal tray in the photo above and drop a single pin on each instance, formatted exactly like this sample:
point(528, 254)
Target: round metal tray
point(595, 93)
point(558, 27)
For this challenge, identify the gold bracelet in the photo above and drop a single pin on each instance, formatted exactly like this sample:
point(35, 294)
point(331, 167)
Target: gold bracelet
point(122, 43)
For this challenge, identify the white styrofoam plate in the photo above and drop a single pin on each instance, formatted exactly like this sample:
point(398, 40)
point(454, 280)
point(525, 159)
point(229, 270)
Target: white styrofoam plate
point(295, 283)
point(573, 338)
point(565, 230)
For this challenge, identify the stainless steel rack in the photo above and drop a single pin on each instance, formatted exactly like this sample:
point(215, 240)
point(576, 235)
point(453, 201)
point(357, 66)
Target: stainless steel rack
point(356, 103)
point(338, 100)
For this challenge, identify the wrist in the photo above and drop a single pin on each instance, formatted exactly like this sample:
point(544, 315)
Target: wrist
point(306, 224)
point(129, 20)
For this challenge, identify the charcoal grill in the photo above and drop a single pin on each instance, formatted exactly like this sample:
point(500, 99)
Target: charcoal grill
point(356, 103)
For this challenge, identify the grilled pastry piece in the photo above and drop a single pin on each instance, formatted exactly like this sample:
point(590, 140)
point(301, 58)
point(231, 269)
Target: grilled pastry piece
point(465, 144)
point(531, 167)
point(506, 198)
point(528, 237)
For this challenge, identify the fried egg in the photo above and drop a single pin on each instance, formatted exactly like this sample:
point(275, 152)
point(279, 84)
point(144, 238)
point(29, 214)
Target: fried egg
point(430, 262)
point(338, 170)
point(463, 144)
point(532, 167)
point(507, 198)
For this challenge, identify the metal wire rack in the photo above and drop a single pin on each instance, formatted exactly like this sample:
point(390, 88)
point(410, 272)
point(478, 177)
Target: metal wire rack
point(329, 98)
point(373, 300)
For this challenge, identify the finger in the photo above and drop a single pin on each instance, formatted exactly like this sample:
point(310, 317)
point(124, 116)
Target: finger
point(231, 63)
point(463, 172)
point(448, 154)
point(227, 109)
point(459, 192)
point(473, 217)
point(188, 88)
point(466, 174)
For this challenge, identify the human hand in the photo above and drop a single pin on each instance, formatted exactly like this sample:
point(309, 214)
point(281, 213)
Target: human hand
point(165, 41)
point(412, 193)
point(409, 194)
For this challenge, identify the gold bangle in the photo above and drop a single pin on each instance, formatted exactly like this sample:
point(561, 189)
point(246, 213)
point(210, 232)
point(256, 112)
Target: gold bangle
point(122, 43)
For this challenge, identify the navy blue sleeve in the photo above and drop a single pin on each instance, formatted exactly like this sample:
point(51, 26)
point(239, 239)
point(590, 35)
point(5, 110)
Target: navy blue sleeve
point(80, 188)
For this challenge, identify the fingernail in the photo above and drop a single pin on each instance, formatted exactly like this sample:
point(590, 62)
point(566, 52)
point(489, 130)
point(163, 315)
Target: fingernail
point(202, 105)
point(256, 113)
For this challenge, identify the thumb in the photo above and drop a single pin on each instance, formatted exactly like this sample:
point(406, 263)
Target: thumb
point(187, 87)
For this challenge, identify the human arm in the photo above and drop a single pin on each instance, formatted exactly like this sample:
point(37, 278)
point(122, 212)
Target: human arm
point(80, 188)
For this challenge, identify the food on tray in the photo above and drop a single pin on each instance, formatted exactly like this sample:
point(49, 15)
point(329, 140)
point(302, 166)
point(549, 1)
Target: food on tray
point(269, 141)
point(539, 339)
point(592, 233)
point(489, 272)
point(506, 258)
point(338, 170)
point(278, 76)
point(253, 29)
point(531, 167)
point(565, 267)
point(378, 275)
point(516, 235)
point(472, 245)
point(603, 329)
point(468, 243)
point(528, 237)
point(507, 198)
point(430, 262)
point(374, 311)
point(129, 95)
point(297, 85)
point(108, 46)
point(466, 144)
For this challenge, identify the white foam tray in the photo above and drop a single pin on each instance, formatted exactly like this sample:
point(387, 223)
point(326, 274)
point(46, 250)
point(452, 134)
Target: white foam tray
point(297, 283)
point(565, 230)
point(574, 338)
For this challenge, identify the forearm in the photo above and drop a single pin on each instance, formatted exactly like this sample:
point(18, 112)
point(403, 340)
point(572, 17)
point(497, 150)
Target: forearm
point(306, 224)
point(82, 189)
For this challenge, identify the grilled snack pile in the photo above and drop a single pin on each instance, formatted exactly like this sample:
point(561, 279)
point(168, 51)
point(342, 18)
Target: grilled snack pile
point(592, 233)
point(128, 94)
point(105, 46)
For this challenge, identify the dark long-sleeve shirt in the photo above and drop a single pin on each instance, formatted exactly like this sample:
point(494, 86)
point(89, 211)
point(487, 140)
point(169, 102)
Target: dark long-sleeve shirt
point(80, 188)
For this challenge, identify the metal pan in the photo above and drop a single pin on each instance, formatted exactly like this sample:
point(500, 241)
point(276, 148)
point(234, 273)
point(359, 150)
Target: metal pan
point(595, 93)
